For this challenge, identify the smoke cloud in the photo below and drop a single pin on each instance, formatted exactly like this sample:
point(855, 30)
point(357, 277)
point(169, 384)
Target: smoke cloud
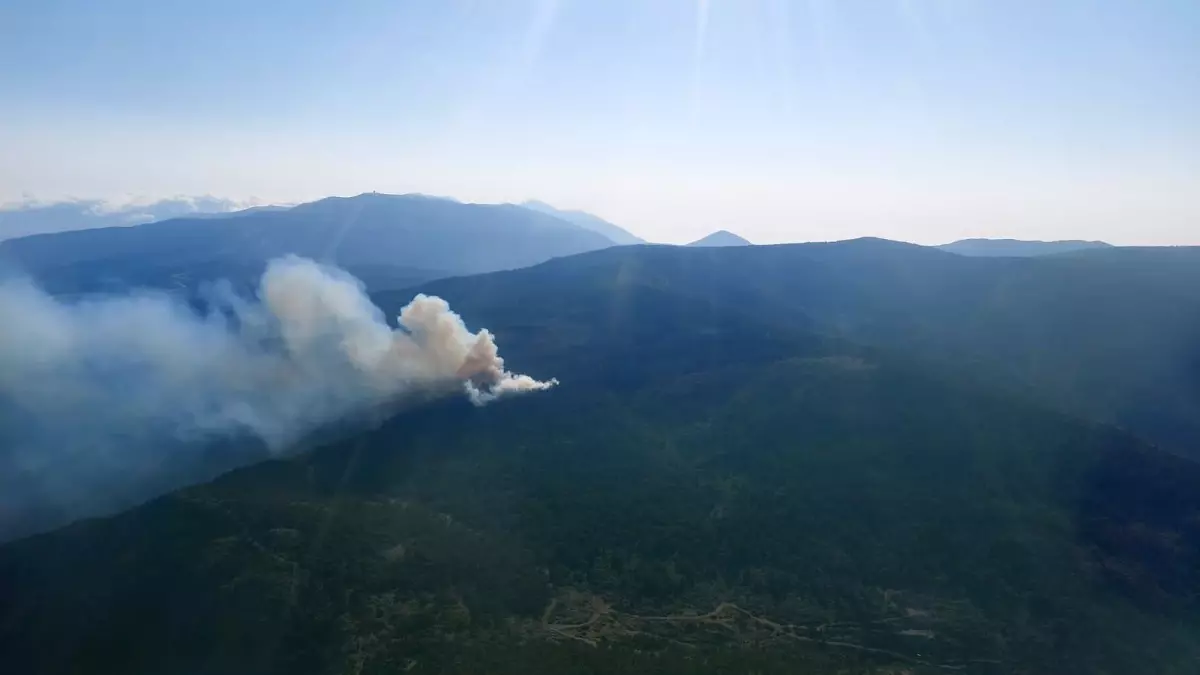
point(109, 400)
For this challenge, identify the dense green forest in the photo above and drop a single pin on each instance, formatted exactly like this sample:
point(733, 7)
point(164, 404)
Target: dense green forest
point(1111, 334)
point(770, 459)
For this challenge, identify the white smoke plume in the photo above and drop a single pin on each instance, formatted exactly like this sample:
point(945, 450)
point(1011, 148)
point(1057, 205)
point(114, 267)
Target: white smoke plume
point(96, 395)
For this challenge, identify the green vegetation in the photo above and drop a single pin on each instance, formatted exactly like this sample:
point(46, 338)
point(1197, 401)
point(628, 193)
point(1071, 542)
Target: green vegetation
point(721, 484)
point(1111, 334)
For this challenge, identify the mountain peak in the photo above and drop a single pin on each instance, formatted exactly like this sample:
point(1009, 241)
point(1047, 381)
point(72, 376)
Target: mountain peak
point(722, 238)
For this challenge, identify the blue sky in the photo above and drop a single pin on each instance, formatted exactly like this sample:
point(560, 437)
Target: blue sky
point(783, 120)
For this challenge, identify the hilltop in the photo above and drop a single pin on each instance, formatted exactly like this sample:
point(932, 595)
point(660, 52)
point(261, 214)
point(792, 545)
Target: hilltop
point(721, 238)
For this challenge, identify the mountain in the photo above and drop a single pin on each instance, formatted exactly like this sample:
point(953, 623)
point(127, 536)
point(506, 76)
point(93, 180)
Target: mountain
point(587, 221)
point(717, 485)
point(1109, 334)
point(407, 232)
point(20, 220)
point(385, 241)
point(1018, 248)
point(721, 238)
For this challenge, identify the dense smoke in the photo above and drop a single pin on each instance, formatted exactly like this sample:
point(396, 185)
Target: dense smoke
point(103, 399)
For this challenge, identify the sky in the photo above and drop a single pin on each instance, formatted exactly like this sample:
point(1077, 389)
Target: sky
point(782, 120)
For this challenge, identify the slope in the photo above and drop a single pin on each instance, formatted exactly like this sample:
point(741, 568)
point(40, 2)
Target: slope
point(411, 232)
point(707, 491)
point(616, 233)
point(1112, 334)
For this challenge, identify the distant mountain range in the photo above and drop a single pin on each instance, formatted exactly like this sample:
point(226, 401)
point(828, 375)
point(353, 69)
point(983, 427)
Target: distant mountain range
point(1018, 248)
point(238, 212)
point(587, 221)
point(20, 220)
point(414, 237)
point(721, 238)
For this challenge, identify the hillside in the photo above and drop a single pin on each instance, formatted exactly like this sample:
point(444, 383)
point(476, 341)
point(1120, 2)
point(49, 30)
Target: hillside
point(616, 233)
point(1019, 248)
point(720, 238)
point(420, 236)
point(1110, 334)
point(710, 489)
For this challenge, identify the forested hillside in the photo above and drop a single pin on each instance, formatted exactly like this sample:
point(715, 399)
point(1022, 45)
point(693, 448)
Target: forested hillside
point(720, 483)
point(1110, 334)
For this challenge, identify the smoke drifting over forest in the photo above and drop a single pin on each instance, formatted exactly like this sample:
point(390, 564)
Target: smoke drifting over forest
point(101, 398)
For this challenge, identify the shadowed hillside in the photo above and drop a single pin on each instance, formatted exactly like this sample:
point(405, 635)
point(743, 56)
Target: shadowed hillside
point(1110, 334)
point(711, 488)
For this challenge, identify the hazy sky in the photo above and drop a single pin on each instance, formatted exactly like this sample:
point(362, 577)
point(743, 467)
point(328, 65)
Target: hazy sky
point(922, 120)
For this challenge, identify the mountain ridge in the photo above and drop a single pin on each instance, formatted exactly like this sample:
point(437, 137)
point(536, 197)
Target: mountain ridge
point(372, 229)
point(616, 233)
point(29, 218)
point(1019, 247)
